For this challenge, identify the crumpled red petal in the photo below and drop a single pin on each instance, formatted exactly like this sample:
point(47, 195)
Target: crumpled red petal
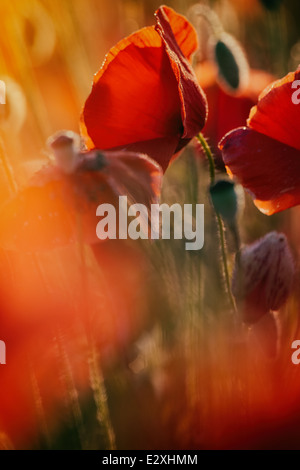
point(57, 209)
point(162, 148)
point(275, 114)
point(177, 33)
point(268, 169)
point(146, 90)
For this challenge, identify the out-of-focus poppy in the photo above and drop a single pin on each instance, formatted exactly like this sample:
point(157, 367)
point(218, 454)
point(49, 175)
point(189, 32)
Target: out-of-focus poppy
point(265, 155)
point(145, 97)
point(59, 205)
point(46, 295)
point(227, 111)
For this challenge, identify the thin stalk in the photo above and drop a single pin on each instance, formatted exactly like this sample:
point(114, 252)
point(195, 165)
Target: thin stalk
point(100, 397)
point(72, 394)
point(212, 172)
point(39, 406)
point(208, 154)
point(225, 263)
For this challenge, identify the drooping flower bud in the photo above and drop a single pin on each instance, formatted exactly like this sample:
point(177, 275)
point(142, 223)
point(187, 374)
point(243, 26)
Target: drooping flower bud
point(224, 199)
point(233, 67)
point(65, 147)
point(263, 276)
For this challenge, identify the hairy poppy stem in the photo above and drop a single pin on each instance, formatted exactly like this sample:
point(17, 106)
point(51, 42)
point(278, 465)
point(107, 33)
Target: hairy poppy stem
point(208, 154)
point(212, 172)
point(225, 264)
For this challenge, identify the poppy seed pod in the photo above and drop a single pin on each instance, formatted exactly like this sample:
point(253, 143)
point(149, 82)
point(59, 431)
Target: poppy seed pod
point(263, 276)
point(224, 199)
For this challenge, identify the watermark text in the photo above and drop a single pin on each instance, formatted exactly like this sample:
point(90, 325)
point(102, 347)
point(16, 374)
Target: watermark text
point(133, 221)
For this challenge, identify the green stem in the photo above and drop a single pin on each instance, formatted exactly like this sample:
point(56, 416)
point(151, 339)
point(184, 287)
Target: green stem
point(208, 154)
point(225, 263)
point(212, 172)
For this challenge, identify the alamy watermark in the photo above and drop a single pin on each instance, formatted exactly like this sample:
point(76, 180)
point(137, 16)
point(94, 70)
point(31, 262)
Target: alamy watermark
point(296, 94)
point(161, 221)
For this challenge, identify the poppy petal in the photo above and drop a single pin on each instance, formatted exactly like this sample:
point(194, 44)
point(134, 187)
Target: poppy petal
point(193, 100)
point(178, 26)
point(146, 90)
point(228, 111)
point(268, 169)
point(134, 96)
point(275, 114)
point(158, 149)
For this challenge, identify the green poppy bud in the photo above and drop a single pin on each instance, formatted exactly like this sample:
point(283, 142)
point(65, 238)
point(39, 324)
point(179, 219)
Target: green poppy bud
point(224, 199)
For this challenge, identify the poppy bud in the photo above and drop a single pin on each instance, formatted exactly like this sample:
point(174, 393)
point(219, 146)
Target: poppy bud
point(263, 276)
point(65, 147)
point(231, 61)
point(271, 4)
point(224, 199)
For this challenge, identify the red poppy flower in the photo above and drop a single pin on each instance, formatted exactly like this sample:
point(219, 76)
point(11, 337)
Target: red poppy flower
point(47, 213)
point(265, 156)
point(146, 97)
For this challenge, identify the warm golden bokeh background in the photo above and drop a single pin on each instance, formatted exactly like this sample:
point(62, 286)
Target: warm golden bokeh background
point(180, 385)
